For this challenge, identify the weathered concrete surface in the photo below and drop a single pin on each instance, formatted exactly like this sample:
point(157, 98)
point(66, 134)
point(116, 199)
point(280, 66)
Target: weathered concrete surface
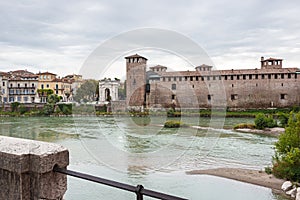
point(26, 169)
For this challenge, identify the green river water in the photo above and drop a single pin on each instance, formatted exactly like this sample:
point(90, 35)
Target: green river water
point(140, 151)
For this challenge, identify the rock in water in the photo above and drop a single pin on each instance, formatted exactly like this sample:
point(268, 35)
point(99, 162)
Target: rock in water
point(287, 185)
point(298, 194)
point(292, 192)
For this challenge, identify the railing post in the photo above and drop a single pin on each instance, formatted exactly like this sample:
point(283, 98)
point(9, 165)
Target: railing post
point(138, 192)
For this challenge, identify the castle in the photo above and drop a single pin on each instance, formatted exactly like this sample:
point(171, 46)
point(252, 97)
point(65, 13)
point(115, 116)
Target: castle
point(271, 86)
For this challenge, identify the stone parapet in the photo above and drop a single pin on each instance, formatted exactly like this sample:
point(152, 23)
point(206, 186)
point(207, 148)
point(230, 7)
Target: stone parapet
point(26, 169)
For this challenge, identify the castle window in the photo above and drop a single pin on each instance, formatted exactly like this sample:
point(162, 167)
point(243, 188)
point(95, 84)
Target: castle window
point(295, 76)
point(282, 76)
point(3, 83)
point(256, 84)
point(191, 78)
point(262, 76)
point(180, 79)
point(289, 75)
point(47, 86)
point(173, 96)
point(232, 85)
point(244, 77)
point(18, 84)
point(193, 86)
point(209, 97)
point(174, 78)
point(25, 84)
point(214, 77)
point(282, 84)
point(238, 77)
point(197, 78)
point(225, 77)
point(234, 97)
point(250, 76)
point(169, 79)
point(269, 76)
point(185, 78)
point(283, 96)
point(208, 78)
point(231, 77)
point(256, 76)
point(173, 86)
point(164, 79)
point(275, 76)
point(32, 84)
point(202, 78)
point(219, 77)
point(42, 86)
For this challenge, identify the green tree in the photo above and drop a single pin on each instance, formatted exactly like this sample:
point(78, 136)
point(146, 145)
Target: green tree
point(53, 99)
point(88, 91)
point(49, 107)
point(286, 162)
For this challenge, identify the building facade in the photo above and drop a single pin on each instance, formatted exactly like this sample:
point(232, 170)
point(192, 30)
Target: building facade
point(60, 86)
point(21, 87)
point(271, 86)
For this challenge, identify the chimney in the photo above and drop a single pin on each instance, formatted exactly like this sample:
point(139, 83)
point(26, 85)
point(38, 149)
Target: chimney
point(262, 58)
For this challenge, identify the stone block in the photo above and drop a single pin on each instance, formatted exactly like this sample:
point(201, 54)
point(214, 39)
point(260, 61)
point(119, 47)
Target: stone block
point(26, 169)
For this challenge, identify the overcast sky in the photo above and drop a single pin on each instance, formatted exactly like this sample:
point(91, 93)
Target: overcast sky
point(58, 36)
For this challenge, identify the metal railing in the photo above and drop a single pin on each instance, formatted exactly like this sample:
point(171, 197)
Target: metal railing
point(139, 190)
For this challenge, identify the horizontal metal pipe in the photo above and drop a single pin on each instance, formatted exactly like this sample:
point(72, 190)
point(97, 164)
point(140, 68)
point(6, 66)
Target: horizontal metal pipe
point(116, 184)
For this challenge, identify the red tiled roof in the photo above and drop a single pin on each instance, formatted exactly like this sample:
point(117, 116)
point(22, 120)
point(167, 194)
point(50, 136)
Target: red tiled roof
point(271, 59)
point(135, 56)
point(45, 73)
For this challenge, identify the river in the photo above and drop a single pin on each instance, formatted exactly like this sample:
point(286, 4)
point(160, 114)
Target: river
point(140, 151)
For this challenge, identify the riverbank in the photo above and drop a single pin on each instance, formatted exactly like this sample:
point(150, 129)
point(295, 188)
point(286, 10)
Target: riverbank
point(255, 177)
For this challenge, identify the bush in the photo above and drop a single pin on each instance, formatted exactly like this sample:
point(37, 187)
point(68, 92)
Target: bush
point(48, 109)
point(262, 121)
point(268, 170)
point(286, 162)
point(244, 125)
point(66, 109)
point(283, 119)
point(174, 124)
point(22, 110)
point(14, 106)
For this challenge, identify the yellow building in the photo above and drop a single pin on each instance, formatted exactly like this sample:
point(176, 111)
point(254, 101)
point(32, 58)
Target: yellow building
point(48, 81)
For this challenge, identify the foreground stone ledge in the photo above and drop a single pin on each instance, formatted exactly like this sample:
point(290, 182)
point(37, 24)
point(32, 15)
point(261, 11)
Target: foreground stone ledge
point(26, 169)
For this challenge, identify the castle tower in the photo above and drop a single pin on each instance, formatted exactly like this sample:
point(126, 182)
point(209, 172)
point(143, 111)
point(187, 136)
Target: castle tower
point(271, 63)
point(135, 80)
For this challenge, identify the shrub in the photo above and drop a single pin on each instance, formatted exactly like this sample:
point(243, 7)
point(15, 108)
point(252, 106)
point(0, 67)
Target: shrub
point(286, 161)
point(244, 125)
point(262, 121)
point(66, 109)
point(22, 110)
point(48, 109)
point(174, 124)
point(268, 170)
point(283, 119)
point(15, 106)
